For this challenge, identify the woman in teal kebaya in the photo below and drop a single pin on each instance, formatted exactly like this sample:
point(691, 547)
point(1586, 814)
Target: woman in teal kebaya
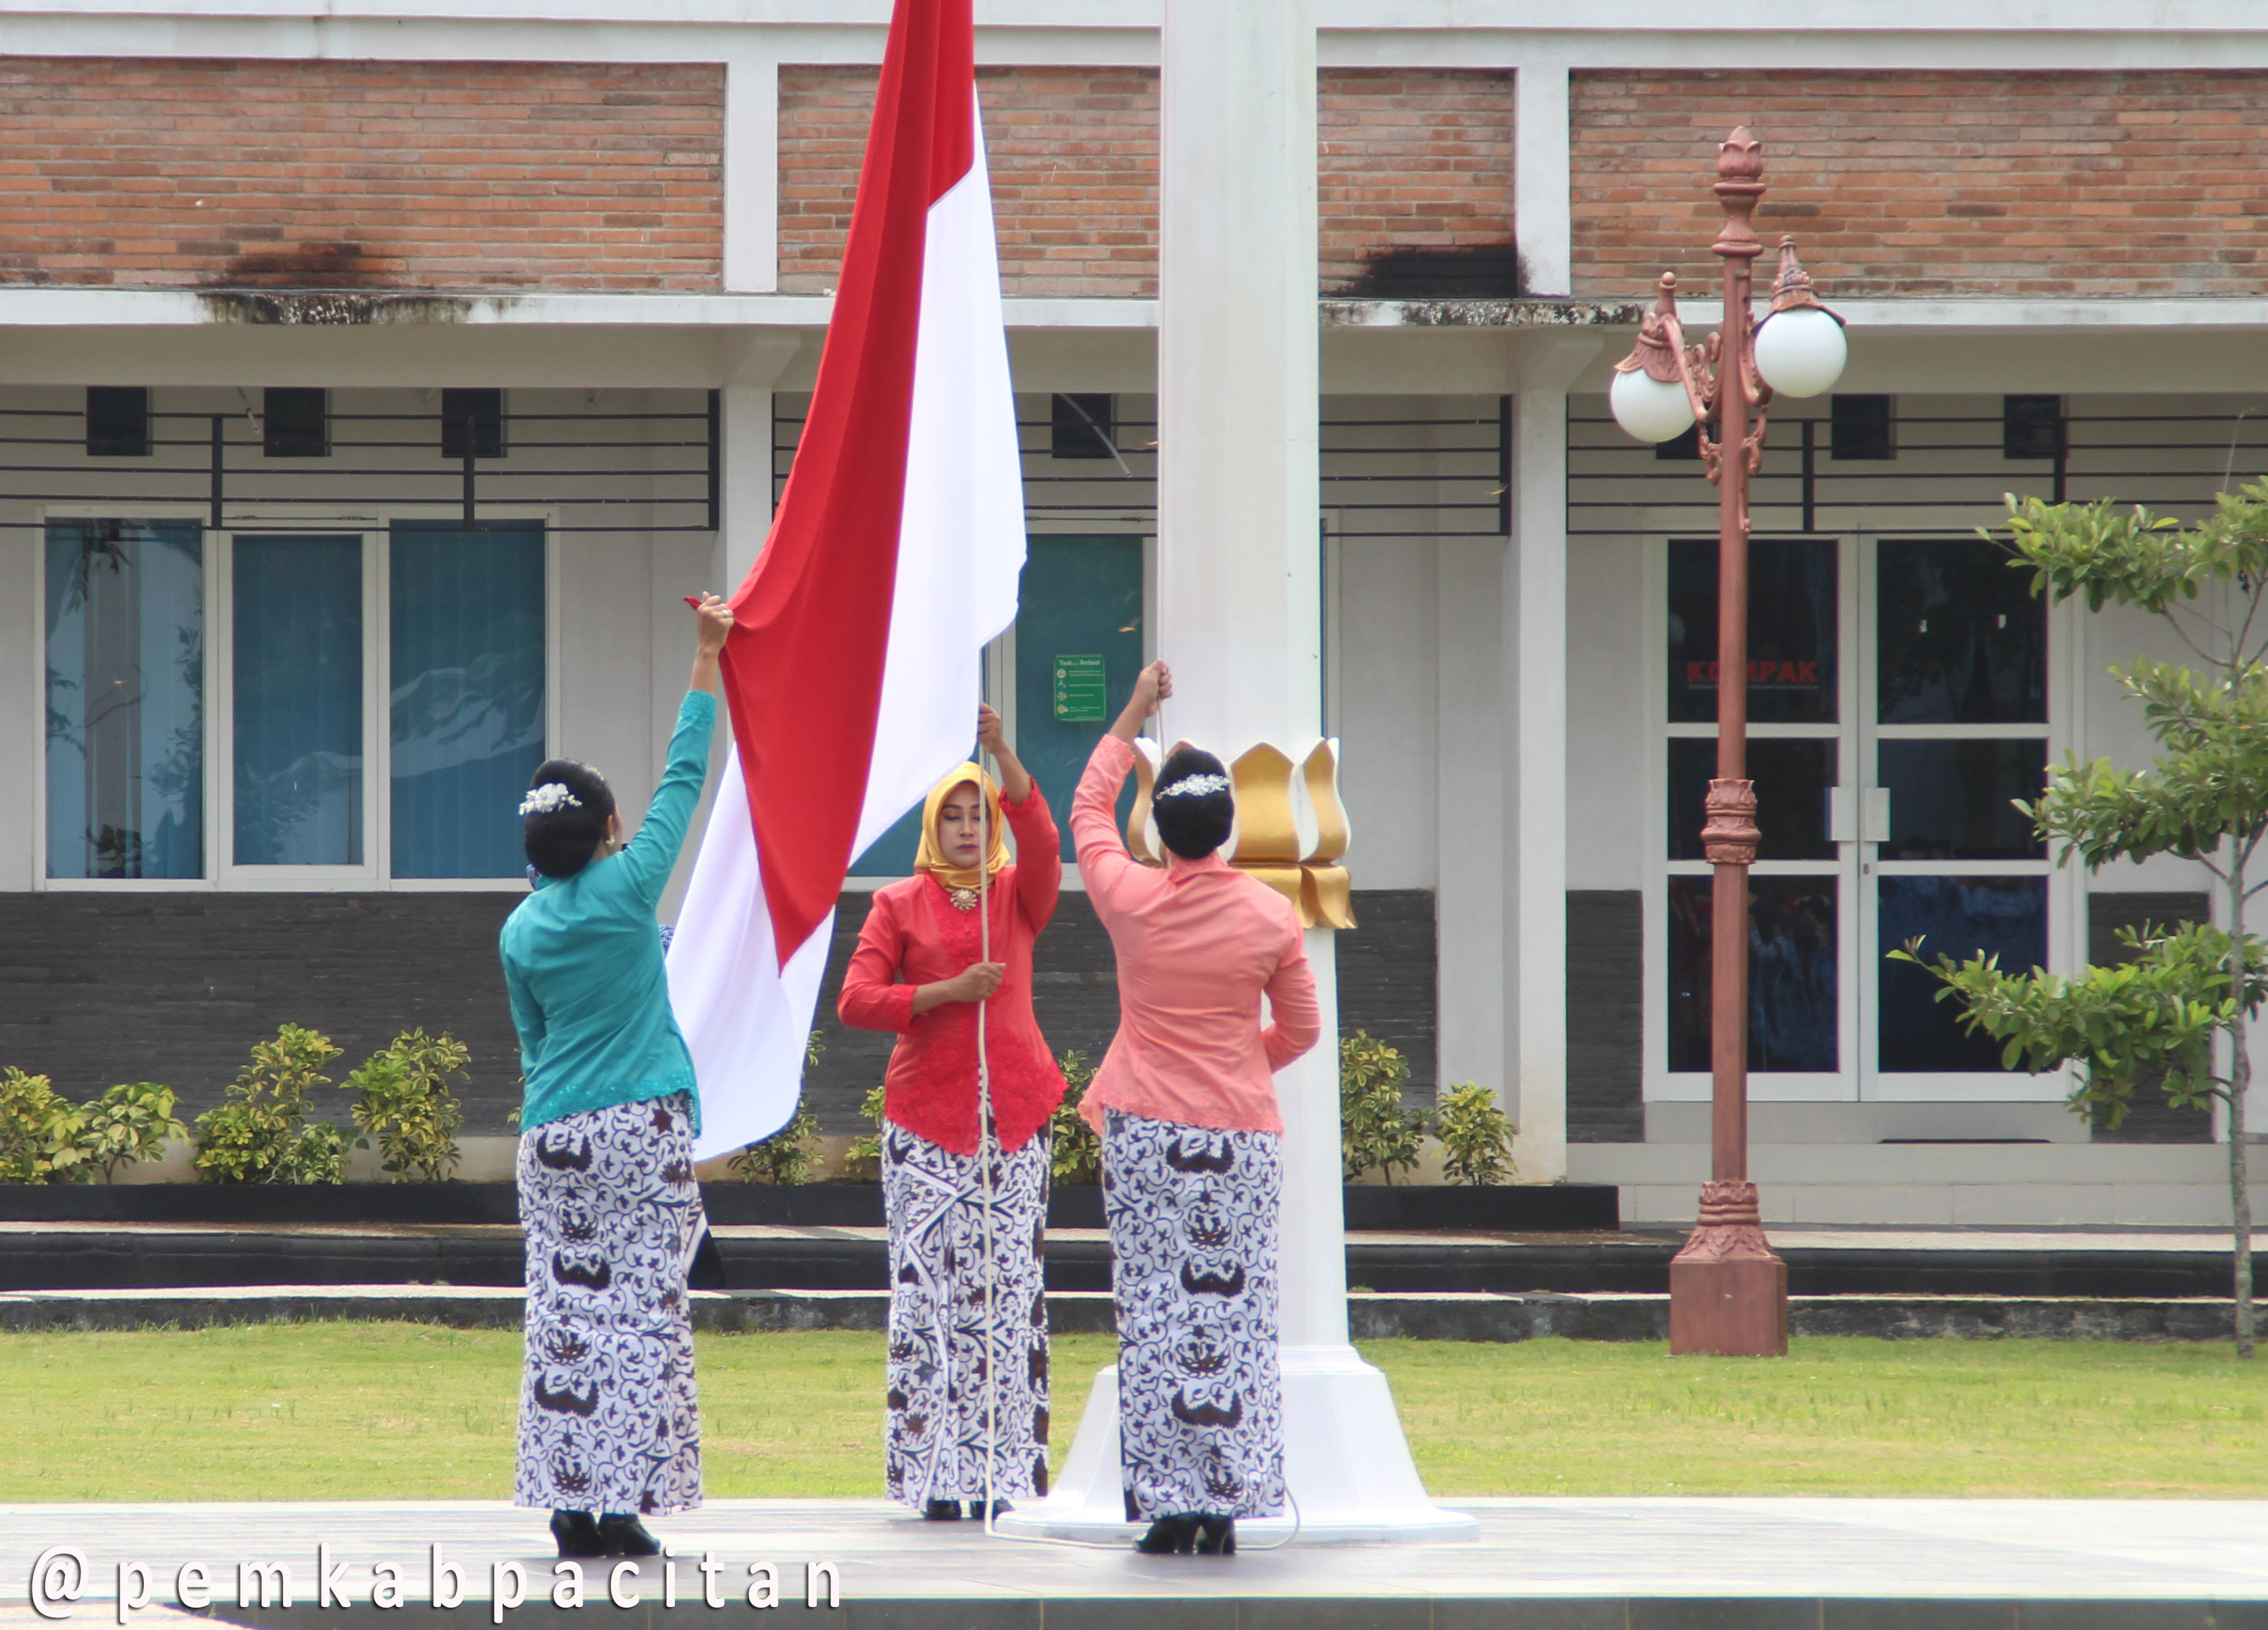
point(608, 1426)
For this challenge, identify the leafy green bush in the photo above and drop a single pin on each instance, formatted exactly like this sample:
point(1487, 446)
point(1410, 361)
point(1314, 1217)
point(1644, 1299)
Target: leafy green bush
point(402, 1099)
point(1475, 1136)
point(261, 1133)
point(1375, 1132)
point(788, 1154)
point(128, 1123)
point(863, 1159)
point(39, 1132)
point(1078, 1156)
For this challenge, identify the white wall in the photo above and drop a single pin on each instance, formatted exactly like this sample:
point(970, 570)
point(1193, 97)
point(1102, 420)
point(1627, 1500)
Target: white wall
point(1607, 738)
point(1387, 689)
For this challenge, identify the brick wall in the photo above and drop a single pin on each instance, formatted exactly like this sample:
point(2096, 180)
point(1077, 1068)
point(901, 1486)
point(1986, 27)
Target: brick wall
point(1414, 182)
point(172, 174)
point(1415, 178)
point(1932, 183)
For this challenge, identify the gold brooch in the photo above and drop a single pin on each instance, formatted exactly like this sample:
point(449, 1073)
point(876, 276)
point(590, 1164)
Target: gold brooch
point(963, 899)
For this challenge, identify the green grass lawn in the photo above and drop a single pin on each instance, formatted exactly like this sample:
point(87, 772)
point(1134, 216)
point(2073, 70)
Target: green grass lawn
point(362, 1411)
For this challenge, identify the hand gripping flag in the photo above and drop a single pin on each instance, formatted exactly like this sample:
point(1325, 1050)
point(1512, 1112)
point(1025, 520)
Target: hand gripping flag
point(852, 670)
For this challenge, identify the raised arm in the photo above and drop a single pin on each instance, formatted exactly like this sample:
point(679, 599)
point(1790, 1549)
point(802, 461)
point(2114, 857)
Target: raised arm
point(1102, 858)
point(650, 856)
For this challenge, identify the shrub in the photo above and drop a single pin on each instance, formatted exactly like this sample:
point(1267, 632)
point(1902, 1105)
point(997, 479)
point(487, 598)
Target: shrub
point(1475, 1136)
point(1077, 1157)
point(1375, 1132)
point(39, 1132)
point(783, 1157)
point(863, 1159)
point(260, 1133)
point(786, 1157)
point(128, 1124)
point(402, 1099)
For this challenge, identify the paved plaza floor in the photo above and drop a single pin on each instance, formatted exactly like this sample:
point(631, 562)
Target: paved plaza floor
point(1576, 1563)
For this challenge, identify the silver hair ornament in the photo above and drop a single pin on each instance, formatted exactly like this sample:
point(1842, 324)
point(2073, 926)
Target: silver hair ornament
point(1196, 786)
point(549, 798)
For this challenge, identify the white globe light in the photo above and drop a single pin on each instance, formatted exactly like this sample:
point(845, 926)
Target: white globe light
point(1800, 352)
point(1648, 409)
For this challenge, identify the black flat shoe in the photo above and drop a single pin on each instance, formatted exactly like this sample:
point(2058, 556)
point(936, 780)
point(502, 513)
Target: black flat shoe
point(976, 1509)
point(1218, 1537)
point(942, 1511)
point(576, 1534)
point(626, 1536)
point(1168, 1534)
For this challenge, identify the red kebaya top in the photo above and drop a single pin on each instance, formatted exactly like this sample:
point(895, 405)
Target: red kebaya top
point(1199, 942)
point(914, 936)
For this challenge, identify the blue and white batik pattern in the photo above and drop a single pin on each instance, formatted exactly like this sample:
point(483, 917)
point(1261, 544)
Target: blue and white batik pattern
point(1193, 1224)
point(607, 1417)
point(934, 1428)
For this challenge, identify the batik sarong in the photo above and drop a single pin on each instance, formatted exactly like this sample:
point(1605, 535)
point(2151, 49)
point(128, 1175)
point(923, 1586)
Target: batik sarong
point(1193, 1220)
point(942, 1371)
point(608, 1419)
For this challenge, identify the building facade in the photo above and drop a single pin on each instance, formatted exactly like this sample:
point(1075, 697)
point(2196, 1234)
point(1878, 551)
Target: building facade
point(375, 380)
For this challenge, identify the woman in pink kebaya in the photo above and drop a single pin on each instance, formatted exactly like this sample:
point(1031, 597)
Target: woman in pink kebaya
point(1185, 1101)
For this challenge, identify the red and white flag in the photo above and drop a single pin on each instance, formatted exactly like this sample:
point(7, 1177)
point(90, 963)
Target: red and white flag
point(852, 670)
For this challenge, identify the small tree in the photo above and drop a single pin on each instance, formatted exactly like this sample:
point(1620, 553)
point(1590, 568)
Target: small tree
point(2192, 989)
point(1375, 1130)
point(402, 1099)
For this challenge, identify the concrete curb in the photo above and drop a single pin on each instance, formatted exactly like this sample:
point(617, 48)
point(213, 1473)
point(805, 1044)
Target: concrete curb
point(1451, 1316)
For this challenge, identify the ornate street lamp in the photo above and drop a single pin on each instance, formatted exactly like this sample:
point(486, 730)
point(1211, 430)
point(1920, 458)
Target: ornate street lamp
point(1728, 1291)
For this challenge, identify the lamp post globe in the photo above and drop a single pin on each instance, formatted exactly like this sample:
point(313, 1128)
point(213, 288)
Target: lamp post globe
point(1800, 352)
point(1650, 410)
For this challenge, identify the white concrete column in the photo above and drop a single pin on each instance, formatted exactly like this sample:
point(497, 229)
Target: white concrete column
point(1536, 712)
point(751, 163)
point(1542, 206)
point(1240, 617)
point(748, 483)
point(1470, 891)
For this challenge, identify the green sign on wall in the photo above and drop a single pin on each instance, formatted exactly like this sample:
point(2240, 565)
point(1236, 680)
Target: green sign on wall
point(1081, 692)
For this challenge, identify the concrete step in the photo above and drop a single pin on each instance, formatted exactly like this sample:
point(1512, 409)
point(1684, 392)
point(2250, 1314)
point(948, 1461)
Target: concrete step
point(1371, 1316)
point(1821, 1262)
point(2041, 1184)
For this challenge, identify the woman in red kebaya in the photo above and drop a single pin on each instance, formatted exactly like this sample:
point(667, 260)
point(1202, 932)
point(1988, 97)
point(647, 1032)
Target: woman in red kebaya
point(920, 969)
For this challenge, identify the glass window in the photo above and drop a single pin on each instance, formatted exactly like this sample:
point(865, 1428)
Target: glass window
point(298, 700)
point(1792, 625)
point(1964, 641)
point(125, 687)
point(1791, 779)
point(1955, 800)
point(1793, 1024)
point(467, 702)
point(1957, 916)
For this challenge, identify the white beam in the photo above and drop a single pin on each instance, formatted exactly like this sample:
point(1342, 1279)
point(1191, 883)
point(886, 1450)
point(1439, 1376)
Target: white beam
point(1542, 206)
point(752, 175)
point(1535, 672)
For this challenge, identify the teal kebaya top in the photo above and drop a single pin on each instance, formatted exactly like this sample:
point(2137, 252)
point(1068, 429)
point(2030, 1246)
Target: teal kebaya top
point(582, 956)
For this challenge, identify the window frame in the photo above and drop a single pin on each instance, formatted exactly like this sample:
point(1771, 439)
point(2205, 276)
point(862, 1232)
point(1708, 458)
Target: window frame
point(375, 527)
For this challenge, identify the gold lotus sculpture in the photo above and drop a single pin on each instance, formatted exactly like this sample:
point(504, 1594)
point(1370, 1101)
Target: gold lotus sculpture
point(1268, 828)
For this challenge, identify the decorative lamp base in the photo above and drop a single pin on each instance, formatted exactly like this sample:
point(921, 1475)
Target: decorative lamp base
point(1728, 1291)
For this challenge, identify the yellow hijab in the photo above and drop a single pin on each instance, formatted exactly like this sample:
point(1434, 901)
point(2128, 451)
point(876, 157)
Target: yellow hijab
point(930, 856)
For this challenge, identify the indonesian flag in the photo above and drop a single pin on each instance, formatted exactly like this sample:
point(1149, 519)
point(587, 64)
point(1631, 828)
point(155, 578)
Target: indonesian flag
point(852, 670)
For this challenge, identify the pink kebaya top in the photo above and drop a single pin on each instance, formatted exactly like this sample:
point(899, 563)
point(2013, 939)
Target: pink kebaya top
point(1198, 943)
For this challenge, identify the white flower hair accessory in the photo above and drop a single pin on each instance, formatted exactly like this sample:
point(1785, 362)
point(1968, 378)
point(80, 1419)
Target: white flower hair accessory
point(549, 798)
point(1196, 786)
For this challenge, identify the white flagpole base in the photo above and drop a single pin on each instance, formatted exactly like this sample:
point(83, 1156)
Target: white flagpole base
point(1344, 1458)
